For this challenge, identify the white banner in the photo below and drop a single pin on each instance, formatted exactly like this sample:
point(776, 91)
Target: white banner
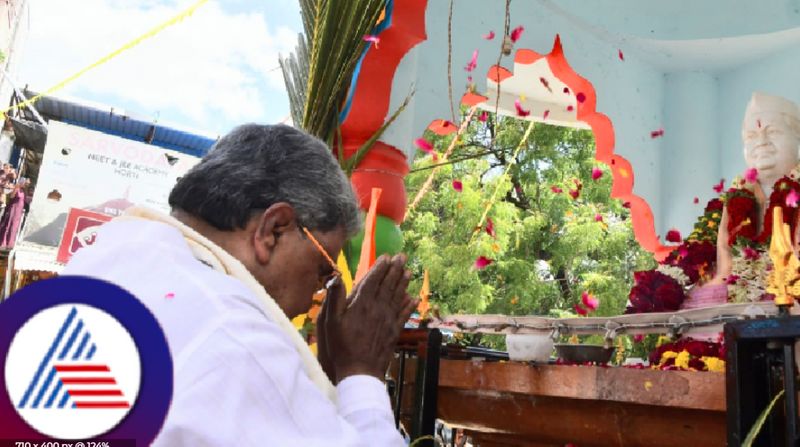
point(91, 170)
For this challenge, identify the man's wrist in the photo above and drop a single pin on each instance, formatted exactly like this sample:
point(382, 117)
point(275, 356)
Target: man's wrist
point(358, 370)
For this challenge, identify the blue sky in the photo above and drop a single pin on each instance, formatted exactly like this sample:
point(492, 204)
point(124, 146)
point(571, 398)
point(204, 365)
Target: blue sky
point(206, 74)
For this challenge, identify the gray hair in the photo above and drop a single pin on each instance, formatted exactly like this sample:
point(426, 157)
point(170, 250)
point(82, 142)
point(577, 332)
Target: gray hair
point(255, 166)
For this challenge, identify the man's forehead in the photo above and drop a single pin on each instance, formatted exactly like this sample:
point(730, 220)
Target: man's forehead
point(761, 120)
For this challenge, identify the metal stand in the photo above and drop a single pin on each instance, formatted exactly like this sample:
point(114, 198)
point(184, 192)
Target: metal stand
point(425, 344)
point(760, 363)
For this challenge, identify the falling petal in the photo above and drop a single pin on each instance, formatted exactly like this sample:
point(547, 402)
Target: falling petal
point(575, 193)
point(570, 108)
point(425, 146)
point(598, 217)
point(580, 310)
point(482, 262)
point(472, 62)
point(545, 114)
point(458, 186)
point(483, 116)
point(626, 205)
point(621, 56)
point(719, 187)
point(518, 189)
point(674, 236)
point(731, 279)
point(469, 79)
point(546, 84)
point(792, 198)
point(374, 39)
point(520, 110)
point(556, 189)
point(657, 133)
point(516, 33)
point(580, 97)
point(683, 251)
point(758, 122)
point(589, 301)
point(169, 296)
point(596, 173)
point(696, 200)
point(490, 227)
point(489, 36)
point(566, 90)
point(751, 175)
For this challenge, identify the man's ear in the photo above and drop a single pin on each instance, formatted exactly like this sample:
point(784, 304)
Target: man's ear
point(275, 221)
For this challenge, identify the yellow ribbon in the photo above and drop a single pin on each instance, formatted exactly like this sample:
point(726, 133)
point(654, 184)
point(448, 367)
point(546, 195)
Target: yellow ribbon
point(157, 29)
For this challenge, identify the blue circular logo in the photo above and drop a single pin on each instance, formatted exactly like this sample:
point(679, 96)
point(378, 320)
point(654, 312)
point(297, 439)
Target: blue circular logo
point(84, 359)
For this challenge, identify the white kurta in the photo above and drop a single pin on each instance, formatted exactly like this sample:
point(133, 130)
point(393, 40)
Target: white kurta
point(238, 378)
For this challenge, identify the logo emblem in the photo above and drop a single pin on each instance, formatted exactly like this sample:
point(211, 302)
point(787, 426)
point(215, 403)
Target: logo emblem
point(85, 377)
point(84, 360)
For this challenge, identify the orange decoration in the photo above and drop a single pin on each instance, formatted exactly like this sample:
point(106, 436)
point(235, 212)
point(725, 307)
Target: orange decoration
point(367, 258)
point(424, 293)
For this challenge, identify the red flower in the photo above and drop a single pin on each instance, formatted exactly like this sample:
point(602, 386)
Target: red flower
point(742, 210)
point(731, 279)
point(654, 291)
point(674, 236)
point(751, 254)
point(714, 205)
point(693, 258)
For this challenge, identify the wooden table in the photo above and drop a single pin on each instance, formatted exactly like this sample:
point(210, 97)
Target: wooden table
point(515, 404)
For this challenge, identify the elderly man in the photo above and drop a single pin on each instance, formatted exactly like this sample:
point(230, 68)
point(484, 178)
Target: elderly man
point(241, 254)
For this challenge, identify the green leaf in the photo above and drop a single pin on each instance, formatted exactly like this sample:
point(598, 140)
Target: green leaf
point(751, 436)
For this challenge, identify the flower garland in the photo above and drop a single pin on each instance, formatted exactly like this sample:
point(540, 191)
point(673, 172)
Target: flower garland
point(688, 354)
point(748, 279)
point(664, 289)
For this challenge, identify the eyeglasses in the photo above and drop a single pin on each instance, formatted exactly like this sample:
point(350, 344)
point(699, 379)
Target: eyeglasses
point(335, 268)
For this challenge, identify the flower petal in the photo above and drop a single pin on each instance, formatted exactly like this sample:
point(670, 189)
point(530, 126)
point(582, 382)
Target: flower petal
point(473, 62)
point(657, 133)
point(545, 114)
point(520, 110)
point(546, 84)
point(792, 198)
point(674, 236)
point(483, 116)
point(482, 262)
point(556, 189)
point(374, 39)
point(589, 301)
point(580, 310)
point(696, 200)
point(621, 56)
point(570, 108)
point(516, 33)
point(751, 175)
point(425, 146)
point(489, 36)
point(596, 173)
point(490, 227)
point(580, 97)
point(458, 186)
point(598, 217)
point(719, 187)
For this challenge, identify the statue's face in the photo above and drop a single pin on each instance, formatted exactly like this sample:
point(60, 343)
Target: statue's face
point(769, 144)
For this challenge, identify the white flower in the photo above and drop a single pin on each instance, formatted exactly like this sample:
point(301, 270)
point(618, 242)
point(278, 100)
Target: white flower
point(675, 273)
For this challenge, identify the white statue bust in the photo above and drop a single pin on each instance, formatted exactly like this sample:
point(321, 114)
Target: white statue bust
point(771, 138)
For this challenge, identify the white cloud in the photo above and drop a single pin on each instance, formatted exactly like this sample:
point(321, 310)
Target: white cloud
point(214, 67)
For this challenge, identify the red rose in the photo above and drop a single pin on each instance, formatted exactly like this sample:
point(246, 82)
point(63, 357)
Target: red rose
point(742, 210)
point(697, 364)
point(714, 205)
point(654, 291)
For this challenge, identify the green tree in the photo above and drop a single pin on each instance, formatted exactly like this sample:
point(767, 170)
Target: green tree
point(549, 247)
